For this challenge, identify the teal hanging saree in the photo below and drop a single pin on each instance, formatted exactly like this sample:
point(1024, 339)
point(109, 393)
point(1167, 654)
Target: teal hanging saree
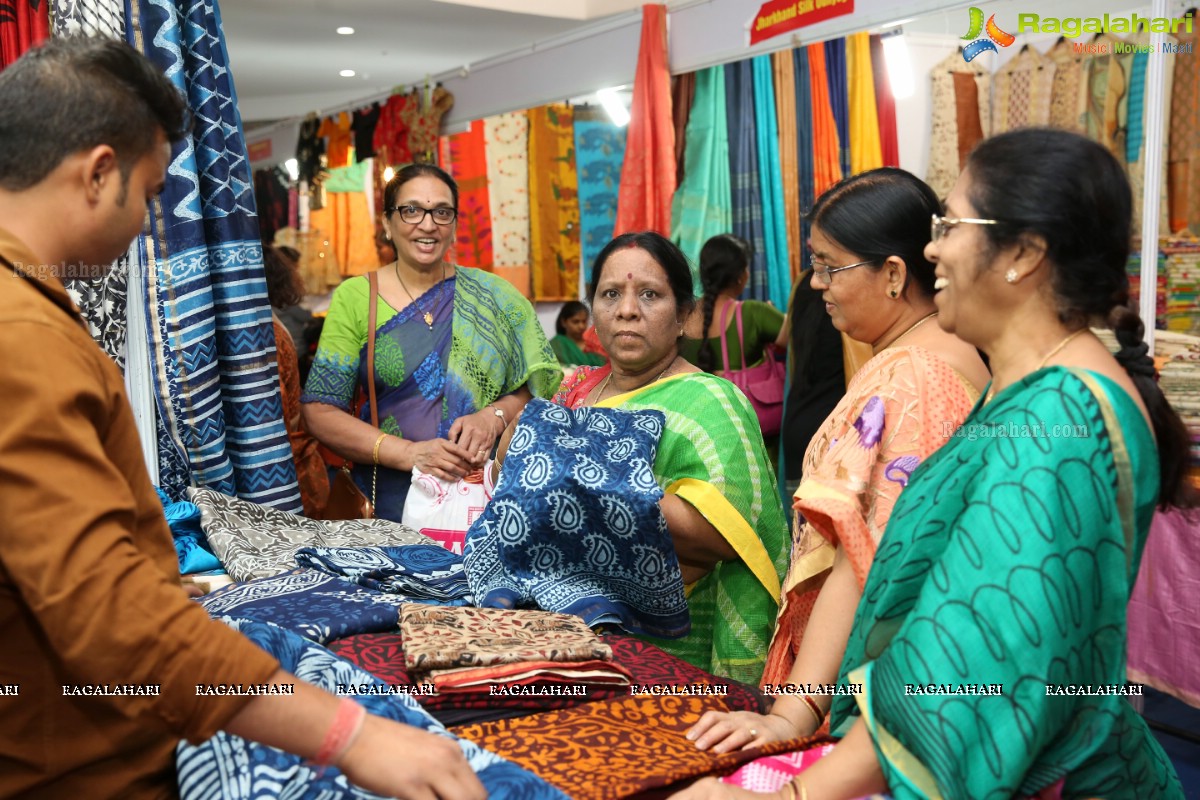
point(1008, 562)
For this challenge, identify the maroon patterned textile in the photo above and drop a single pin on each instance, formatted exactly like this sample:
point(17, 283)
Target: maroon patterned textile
point(382, 654)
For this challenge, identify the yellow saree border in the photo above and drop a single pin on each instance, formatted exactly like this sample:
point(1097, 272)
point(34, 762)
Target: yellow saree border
point(732, 526)
point(907, 767)
point(616, 400)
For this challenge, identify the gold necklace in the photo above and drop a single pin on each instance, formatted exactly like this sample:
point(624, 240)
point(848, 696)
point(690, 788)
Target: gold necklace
point(912, 328)
point(427, 315)
point(1053, 351)
point(604, 385)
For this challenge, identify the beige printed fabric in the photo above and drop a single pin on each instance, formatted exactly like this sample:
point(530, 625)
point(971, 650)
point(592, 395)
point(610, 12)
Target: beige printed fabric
point(944, 162)
point(1022, 90)
point(1064, 91)
point(506, 138)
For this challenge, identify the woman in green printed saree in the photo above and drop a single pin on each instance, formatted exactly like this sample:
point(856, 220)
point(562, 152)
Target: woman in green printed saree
point(990, 640)
point(722, 509)
point(458, 353)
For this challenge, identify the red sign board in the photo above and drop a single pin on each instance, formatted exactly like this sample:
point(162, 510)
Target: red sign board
point(259, 151)
point(781, 16)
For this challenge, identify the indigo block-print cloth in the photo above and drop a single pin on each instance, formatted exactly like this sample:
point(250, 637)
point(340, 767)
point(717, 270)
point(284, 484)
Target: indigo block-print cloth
point(419, 573)
point(313, 604)
point(574, 525)
point(232, 768)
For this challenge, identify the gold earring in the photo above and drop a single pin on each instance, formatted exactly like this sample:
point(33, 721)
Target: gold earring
point(1011, 275)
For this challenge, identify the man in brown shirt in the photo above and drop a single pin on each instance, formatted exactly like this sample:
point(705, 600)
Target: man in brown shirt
point(103, 650)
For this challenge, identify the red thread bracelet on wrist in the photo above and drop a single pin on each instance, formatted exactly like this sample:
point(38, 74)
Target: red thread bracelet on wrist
point(814, 708)
point(347, 722)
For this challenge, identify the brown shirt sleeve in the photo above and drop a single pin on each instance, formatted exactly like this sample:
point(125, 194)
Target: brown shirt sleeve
point(85, 547)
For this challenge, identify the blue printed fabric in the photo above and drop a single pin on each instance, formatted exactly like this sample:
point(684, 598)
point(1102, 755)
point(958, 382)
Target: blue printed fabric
point(313, 604)
point(232, 768)
point(574, 525)
point(420, 573)
point(191, 545)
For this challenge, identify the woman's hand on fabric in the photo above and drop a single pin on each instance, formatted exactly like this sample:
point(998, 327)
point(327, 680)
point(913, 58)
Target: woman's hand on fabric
point(714, 789)
point(433, 767)
point(723, 732)
point(441, 459)
point(477, 434)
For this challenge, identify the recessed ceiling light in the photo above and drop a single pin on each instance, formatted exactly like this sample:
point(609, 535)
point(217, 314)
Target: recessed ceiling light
point(345, 30)
point(347, 73)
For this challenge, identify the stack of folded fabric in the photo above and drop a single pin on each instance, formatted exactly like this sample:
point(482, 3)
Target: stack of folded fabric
point(506, 651)
point(1183, 286)
point(1179, 379)
point(420, 573)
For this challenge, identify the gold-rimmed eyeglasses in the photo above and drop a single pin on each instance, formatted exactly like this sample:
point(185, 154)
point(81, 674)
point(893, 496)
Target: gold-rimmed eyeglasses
point(939, 225)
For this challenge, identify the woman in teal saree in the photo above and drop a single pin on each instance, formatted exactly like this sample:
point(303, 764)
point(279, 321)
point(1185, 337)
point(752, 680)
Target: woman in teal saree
point(990, 639)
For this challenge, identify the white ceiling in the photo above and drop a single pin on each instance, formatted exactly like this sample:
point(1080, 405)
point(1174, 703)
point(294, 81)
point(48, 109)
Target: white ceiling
point(285, 55)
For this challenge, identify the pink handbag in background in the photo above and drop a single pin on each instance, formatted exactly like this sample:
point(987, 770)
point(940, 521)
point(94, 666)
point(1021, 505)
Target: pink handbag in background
point(763, 384)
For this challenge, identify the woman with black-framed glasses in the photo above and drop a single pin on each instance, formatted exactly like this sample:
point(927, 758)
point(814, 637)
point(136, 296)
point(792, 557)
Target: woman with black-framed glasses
point(458, 352)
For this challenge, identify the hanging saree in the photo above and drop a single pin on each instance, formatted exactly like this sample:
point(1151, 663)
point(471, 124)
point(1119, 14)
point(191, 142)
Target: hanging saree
point(711, 455)
point(701, 206)
point(553, 203)
point(468, 165)
point(885, 106)
point(827, 165)
point(804, 147)
point(1023, 536)
point(485, 342)
point(648, 172)
point(898, 410)
point(839, 99)
point(866, 150)
point(506, 144)
point(766, 129)
point(745, 173)
point(789, 170)
point(599, 153)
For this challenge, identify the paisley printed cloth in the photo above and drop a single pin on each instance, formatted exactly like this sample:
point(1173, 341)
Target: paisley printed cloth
point(574, 524)
point(254, 541)
point(421, 573)
point(233, 768)
point(900, 408)
point(307, 602)
point(437, 637)
point(712, 456)
point(606, 751)
point(382, 654)
point(1022, 536)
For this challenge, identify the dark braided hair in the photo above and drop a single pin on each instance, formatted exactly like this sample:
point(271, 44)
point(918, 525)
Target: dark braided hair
point(723, 260)
point(1073, 194)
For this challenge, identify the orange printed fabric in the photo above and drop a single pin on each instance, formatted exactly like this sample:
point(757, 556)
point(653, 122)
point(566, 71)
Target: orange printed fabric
point(827, 169)
point(443, 637)
point(467, 162)
point(608, 751)
point(554, 248)
point(898, 410)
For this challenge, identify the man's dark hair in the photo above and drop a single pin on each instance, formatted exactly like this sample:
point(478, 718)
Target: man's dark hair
point(75, 93)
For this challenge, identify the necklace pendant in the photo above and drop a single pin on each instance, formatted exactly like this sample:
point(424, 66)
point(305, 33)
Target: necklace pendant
point(429, 319)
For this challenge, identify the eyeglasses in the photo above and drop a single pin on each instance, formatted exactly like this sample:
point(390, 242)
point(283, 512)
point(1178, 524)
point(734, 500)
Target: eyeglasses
point(939, 225)
point(415, 215)
point(825, 272)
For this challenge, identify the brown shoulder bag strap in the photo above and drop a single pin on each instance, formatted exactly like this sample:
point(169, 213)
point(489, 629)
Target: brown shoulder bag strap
point(373, 280)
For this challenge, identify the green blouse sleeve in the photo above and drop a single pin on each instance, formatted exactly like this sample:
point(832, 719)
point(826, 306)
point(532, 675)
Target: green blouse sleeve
point(761, 323)
point(333, 377)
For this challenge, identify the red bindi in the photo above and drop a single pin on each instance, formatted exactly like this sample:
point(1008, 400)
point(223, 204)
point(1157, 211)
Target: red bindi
point(628, 276)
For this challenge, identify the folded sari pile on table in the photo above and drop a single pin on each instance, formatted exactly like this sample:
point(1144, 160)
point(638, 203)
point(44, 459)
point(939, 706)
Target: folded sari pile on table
point(511, 650)
point(421, 573)
point(254, 541)
point(382, 655)
point(634, 746)
point(234, 768)
point(312, 604)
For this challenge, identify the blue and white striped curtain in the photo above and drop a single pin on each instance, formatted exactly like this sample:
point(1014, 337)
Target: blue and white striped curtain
point(744, 172)
point(211, 341)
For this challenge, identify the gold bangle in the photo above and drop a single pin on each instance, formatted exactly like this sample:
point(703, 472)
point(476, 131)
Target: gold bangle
point(375, 452)
point(803, 789)
point(791, 787)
